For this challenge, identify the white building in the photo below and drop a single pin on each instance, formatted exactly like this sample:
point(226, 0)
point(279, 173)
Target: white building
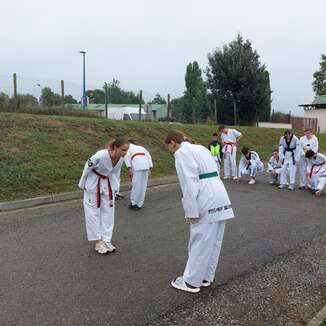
point(317, 109)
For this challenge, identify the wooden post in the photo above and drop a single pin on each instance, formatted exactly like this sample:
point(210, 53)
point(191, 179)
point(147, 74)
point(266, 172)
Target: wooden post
point(15, 92)
point(63, 94)
point(106, 99)
point(140, 102)
point(215, 110)
point(169, 108)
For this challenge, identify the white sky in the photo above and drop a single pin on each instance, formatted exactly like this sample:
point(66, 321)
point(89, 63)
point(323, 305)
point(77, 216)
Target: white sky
point(146, 44)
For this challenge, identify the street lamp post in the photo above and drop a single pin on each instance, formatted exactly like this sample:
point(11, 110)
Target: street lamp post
point(84, 100)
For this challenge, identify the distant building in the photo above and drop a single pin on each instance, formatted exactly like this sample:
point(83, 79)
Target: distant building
point(317, 109)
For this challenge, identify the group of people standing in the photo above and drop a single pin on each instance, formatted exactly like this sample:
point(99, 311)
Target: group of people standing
point(205, 201)
point(282, 166)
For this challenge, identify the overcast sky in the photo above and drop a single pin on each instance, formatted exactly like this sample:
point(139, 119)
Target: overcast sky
point(146, 44)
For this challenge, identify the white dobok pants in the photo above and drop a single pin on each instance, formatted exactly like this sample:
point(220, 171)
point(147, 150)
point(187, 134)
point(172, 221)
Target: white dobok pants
point(321, 183)
point(139, 187)
point(99, 220)
point(230, 163)
point(203, 252)
point(288, 168)
point(303, 171)
point(252, 169)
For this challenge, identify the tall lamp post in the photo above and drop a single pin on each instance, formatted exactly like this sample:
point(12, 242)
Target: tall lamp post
point(84, 100)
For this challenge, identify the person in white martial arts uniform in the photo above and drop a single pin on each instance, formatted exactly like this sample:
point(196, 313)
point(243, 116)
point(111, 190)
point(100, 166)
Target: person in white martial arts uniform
point(216, 150)
point(274, 167)
point(139, 163)
point(308, 142)
point(317, 170)
point(229, 139)
point(207, 207)
point(289, 152)
point(250, 164)
point(99, 182)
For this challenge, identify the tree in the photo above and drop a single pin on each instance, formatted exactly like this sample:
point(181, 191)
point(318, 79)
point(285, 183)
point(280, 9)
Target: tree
point(25, 100)
point(235, 75)
point(158, 99)
point(319, 83)
point(96, 96)
point(70, 100)
point(48, 98)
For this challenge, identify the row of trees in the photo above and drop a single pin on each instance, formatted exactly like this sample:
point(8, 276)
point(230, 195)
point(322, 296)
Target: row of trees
point(236, 85)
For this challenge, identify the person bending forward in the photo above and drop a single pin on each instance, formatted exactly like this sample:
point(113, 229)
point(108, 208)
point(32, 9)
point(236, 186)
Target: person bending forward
point(207, 207)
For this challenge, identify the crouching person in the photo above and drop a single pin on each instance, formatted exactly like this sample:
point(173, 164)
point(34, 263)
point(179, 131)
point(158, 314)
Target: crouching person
point(207, 207)
point(100, 181)
point(274, 167)
point(316, 171)
point(250, 164)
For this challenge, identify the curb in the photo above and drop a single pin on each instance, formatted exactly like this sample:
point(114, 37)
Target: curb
point(56, 198)
point(319, 318)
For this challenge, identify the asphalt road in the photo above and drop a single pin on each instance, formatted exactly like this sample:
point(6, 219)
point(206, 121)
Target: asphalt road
point(50, 274)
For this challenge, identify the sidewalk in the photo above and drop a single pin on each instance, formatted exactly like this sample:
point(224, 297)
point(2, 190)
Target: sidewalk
point(288, 291)
point(56, 198)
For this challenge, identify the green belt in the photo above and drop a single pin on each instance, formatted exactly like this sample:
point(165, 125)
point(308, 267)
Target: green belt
point(208, 175)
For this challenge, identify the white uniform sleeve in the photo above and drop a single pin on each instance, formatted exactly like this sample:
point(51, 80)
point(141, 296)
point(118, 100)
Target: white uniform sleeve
point(236, 133)
point(149, 157)
point(127, 159)
point(297, 150)
point(91, 164)
point(255, 158)
point(270, 167)
point(281, 150)
point(315, 145)
point(187, 170)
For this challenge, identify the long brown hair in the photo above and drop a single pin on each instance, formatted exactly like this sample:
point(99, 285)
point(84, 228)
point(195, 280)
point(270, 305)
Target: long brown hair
point(117, 142)
point(177, 136)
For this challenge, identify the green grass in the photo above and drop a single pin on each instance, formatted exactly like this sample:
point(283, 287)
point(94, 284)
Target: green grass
point(41, 155)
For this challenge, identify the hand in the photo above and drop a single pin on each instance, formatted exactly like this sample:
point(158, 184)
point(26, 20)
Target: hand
point(192, 220)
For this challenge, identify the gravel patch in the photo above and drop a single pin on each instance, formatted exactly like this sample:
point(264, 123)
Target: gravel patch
point(290, 290)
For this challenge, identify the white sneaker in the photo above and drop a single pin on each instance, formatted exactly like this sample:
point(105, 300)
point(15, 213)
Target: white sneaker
point(206, 284)
point(226, 177)
point(235, 178)
point(281, 186)
point(252, 181)
point(180, 284)
point(110, 247)
point(101, 248)
point(272, 182)
point(291, 187)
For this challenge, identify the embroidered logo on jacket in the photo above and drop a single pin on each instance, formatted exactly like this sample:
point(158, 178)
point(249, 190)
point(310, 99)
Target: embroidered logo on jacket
point(219, 209)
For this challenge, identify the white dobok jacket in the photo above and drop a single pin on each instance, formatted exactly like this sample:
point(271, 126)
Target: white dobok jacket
point(229, 140)
point(307, 144)
point(204, 197)
point(273, 164)
point(289, 152)
point(102, 164)
point(138, 158)
point(317, 166)
point(254, 162)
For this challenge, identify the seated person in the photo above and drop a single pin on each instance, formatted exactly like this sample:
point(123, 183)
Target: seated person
point(250, 164)
point(274, 167)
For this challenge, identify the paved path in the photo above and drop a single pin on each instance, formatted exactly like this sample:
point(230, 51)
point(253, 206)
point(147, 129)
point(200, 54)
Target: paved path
point(50, 275)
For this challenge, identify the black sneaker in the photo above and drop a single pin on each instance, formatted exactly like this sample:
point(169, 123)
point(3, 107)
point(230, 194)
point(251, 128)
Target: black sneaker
point(119, 196)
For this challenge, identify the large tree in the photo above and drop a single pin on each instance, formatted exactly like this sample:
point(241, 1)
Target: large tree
point(158, 99)
point(235, 76)
point(49, 98)
point(319, 83)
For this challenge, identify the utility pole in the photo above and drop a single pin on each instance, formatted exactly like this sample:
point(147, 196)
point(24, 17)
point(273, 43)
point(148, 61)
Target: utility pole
point(63, 94)
point(215, 110)
point(169, 108)
point(106, 99)
point(235, 112)
point(15, 92)
point(84, 101)
point(140, 102)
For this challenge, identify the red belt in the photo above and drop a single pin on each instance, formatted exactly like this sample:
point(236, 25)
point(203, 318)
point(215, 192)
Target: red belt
point(98, 191)
point(226, 145)
point(137, 154)
point(313, 166)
